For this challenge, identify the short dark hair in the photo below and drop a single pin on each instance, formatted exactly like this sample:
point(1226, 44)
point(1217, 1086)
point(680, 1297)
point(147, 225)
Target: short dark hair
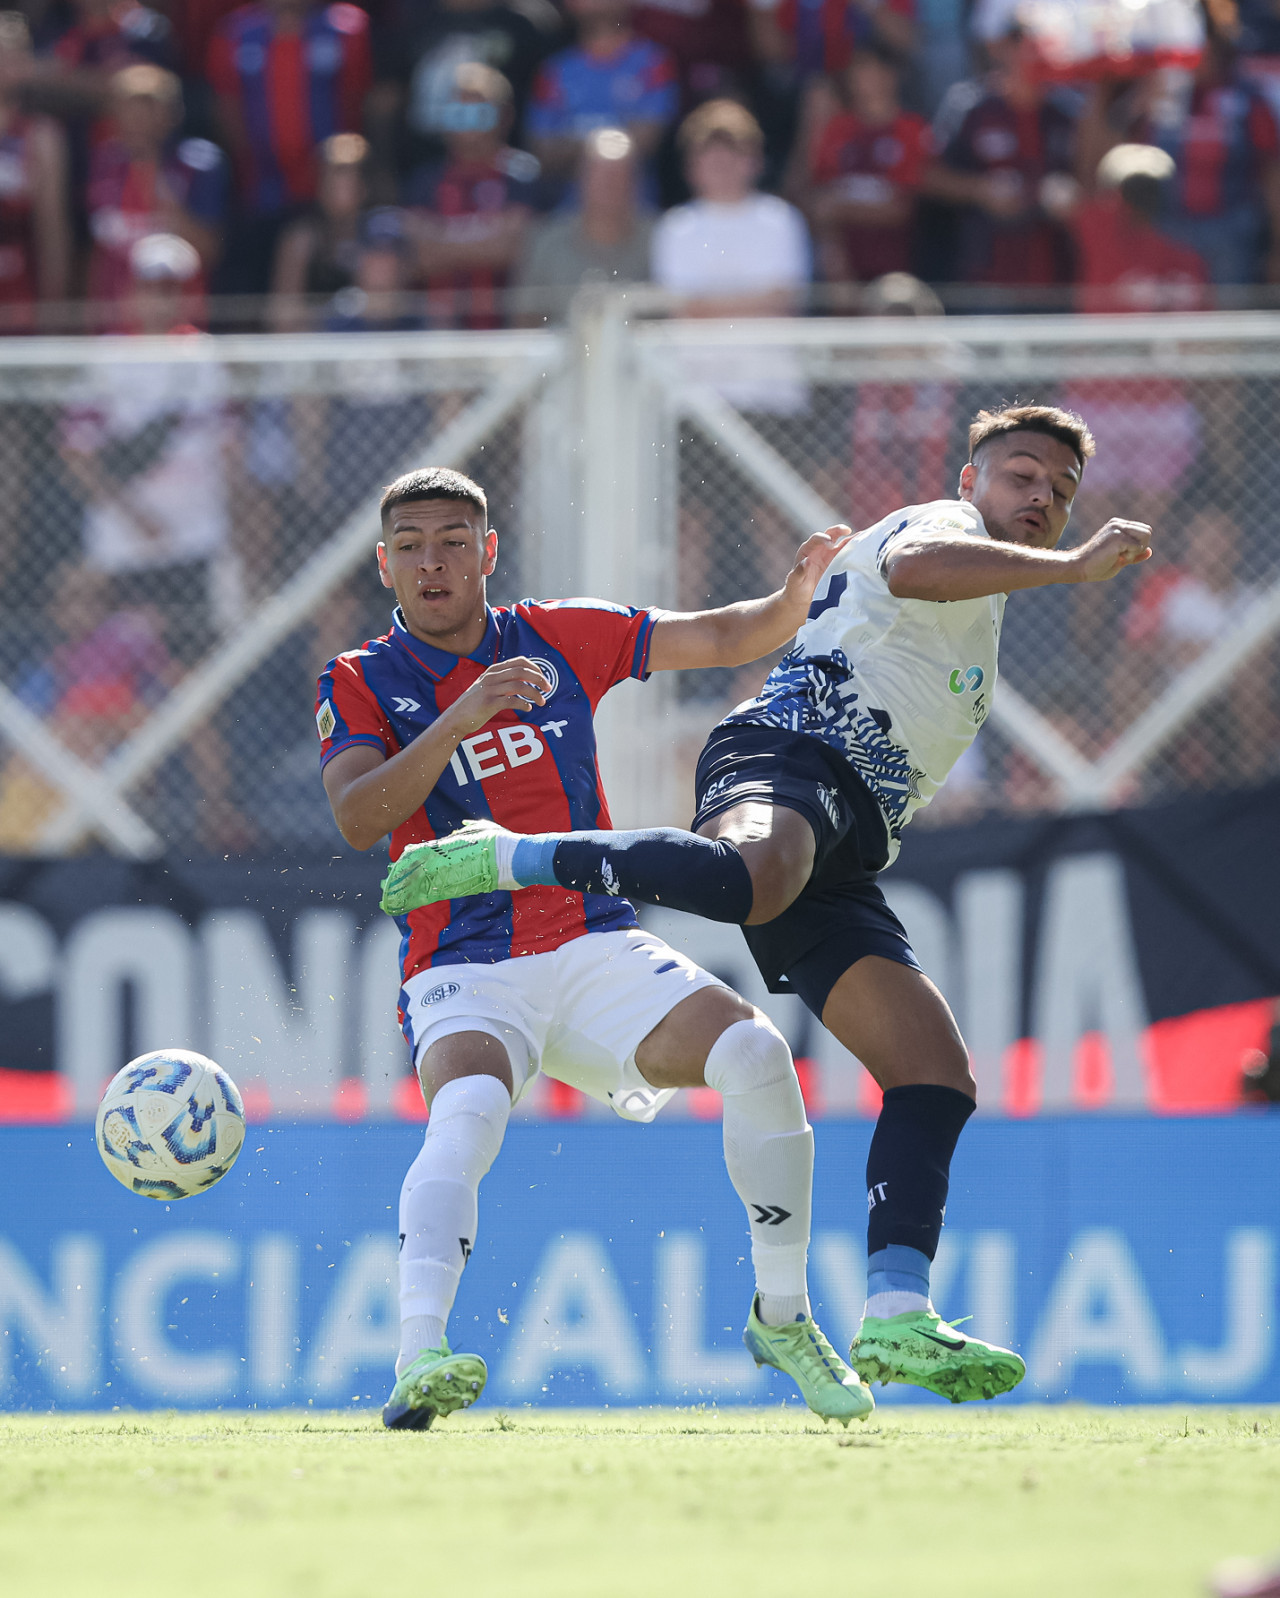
point(432, 482)
point(1065, 426)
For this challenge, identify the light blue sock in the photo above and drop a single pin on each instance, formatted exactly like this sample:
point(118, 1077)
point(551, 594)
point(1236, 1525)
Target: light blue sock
point(897, 1280)
point(533, 860)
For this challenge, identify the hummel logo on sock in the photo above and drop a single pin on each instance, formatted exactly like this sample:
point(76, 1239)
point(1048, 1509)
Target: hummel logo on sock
point(466, 1248)
point(770, 1214)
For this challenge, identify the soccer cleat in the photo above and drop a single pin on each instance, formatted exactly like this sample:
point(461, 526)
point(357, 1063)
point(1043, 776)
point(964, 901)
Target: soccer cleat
point(464, 863)
point(799, 1348)
point(921, 1349)
point(437, 1383)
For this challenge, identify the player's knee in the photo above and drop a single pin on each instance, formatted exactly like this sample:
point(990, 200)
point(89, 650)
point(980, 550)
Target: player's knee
point(472, 1111)
point(747, 1056)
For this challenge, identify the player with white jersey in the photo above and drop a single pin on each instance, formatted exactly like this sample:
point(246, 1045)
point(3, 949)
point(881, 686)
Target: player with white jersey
point(803, 793)
point(462, 711)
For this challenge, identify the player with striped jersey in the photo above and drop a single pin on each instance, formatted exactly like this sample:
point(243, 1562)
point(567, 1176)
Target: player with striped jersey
point(803, 793)
point(463, 713)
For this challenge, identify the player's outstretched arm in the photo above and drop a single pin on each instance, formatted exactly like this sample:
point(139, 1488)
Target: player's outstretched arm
point(370, 795)
point(736, 634)
point(972, 568)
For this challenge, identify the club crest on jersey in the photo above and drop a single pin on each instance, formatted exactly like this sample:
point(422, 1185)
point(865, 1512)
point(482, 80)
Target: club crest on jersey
point(442, 991)
point(962, 682)
point(326, 721)
point(548, 671)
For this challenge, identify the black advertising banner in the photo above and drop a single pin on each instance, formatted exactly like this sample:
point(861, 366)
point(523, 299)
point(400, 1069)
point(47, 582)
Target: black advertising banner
point(1123, 960)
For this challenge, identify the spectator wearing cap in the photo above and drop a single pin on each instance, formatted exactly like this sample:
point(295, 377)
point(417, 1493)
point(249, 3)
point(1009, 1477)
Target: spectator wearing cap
point(471, 211)
point(165, 291)
point(375, 301)
point(317, 253)
point(1123, 261)
point(605, 238)
point(1003, 166)
point(144, 180)
point(867, 167)
point(733, 251)
point(35, 222)
point(610, 78)
point(287, 75)
point(1224, 141)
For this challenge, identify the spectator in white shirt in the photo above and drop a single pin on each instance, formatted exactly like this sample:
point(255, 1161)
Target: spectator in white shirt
point(735, 252)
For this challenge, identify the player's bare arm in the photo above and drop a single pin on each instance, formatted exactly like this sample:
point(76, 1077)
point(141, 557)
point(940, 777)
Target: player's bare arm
point(737, 634)
point(371, 795)
point(971, 568)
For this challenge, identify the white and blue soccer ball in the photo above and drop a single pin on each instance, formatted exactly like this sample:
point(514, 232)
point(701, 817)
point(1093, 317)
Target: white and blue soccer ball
point(170, 1124)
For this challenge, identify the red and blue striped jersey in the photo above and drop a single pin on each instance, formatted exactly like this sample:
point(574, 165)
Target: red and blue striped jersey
point(290, 91)
point(530, 772)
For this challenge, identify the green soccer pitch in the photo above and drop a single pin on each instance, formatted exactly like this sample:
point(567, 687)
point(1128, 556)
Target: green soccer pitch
point(973, 1502)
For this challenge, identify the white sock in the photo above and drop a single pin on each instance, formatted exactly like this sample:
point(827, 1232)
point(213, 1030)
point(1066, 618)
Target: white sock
point(504, 844)
point(768, 1151)
point(438, 1208)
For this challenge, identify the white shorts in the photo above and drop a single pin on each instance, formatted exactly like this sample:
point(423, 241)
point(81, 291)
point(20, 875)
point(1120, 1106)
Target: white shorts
point(578, 1013)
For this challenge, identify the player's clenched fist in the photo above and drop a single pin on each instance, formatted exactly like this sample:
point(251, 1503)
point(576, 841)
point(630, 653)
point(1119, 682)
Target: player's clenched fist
point(1110, 550)
point(812, 559)
point(516, 684)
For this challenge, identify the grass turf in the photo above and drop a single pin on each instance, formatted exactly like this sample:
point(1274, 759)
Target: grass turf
point(978, 1501)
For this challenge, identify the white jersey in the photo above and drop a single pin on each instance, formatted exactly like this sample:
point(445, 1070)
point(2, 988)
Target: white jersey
point(898, 686)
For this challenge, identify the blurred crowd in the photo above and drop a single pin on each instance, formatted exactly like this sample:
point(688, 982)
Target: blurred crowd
point(470, 163)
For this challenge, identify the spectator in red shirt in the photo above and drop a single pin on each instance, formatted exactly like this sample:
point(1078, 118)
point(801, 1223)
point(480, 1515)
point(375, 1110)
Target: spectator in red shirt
point(143, 181)
point(35, 223)
point(802, 46)
point(866, 170)
point(472, 210)
point(1006, 159)
point(1123, 261)
point(287, 74)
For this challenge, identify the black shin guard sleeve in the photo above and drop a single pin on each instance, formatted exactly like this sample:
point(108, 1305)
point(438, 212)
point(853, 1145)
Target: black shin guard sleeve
point(659, 865)
point(909, 1165)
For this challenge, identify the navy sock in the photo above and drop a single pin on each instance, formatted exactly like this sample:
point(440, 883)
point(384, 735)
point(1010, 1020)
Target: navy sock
point(658, 865)
point(909, 1166)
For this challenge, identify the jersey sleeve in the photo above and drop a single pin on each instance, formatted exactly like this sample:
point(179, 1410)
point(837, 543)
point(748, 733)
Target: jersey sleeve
point(603, 643)
point(939, 524)
point(348, 713)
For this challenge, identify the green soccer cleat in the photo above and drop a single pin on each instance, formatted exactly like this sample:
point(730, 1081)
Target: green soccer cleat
point(464, 863)
point(799, 1348)
point(921, 1349)
point(437, 1383)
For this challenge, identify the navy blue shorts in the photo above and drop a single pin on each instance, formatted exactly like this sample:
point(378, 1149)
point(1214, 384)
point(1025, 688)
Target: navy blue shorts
point(841, 915)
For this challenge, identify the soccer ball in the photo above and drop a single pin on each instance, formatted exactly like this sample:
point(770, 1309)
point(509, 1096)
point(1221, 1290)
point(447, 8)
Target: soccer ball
point(170, 1124)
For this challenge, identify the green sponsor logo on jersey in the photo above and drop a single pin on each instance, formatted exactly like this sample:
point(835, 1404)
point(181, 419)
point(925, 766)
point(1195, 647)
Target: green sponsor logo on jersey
point(962, 682)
